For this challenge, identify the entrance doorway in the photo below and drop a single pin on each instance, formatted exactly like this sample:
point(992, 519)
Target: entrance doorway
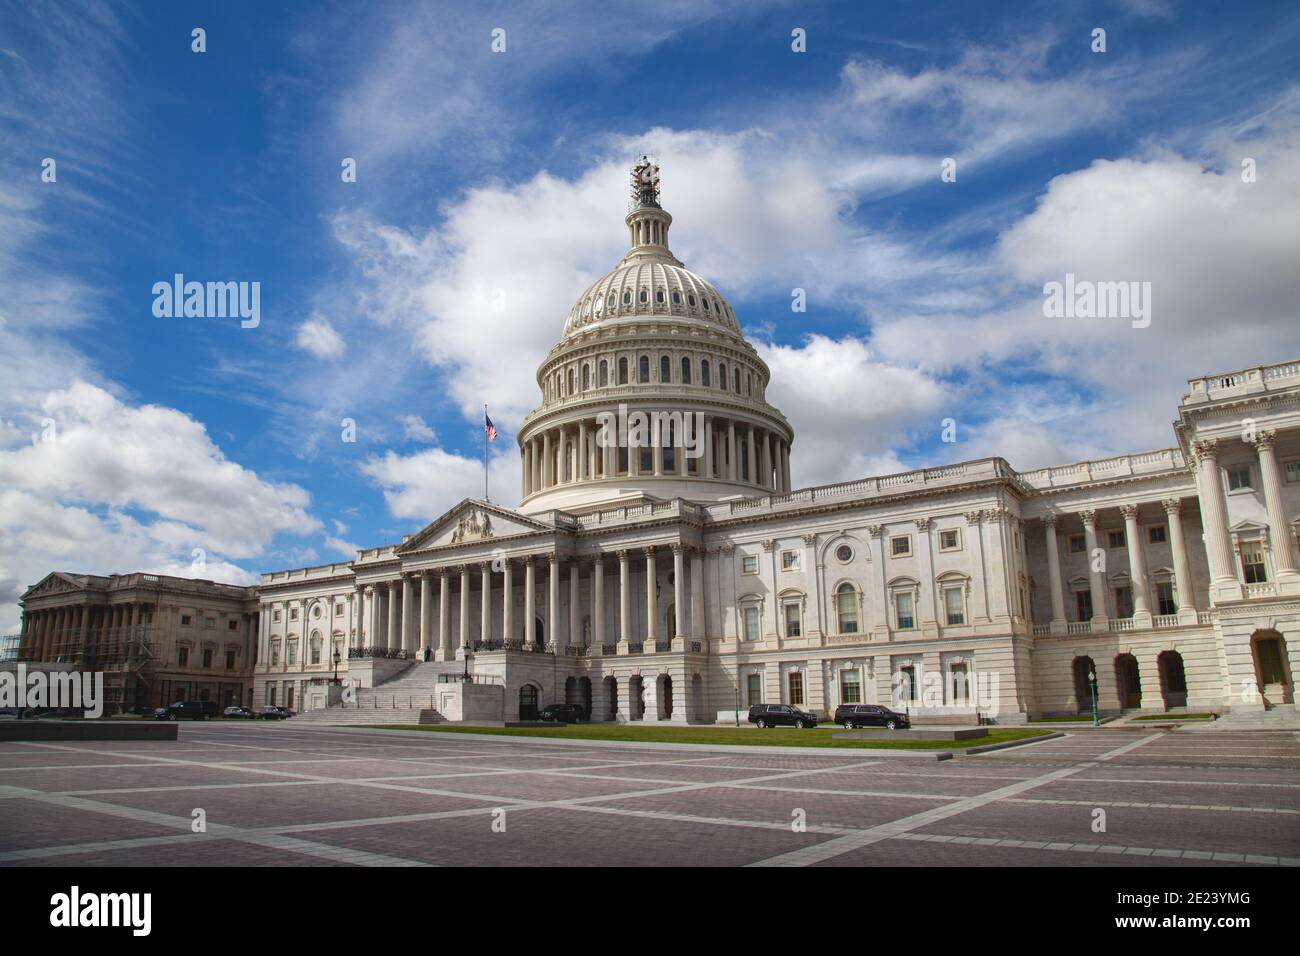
point(1083, 666)
point(1128, 681)
point(1268, 649)
point(528, 702)
point(1173, 679)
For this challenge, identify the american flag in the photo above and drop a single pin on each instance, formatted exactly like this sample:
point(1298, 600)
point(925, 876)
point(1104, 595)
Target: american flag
point(489, 428)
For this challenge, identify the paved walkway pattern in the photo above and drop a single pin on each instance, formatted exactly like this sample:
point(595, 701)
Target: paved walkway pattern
point(273, 794)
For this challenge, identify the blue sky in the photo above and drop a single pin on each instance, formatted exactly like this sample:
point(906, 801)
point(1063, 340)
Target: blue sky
point(128, 442)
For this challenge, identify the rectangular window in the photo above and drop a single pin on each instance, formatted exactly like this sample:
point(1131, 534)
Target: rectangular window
point(950, 540)
point(338, 610)
point(1165, 597)
point(901, 546)
point(1115, 539)
point(230, 660)
point(796, 688)
point(903, 616)
point(186, 620)
point(293, 653)
point(293, 614)
point(183, 656)
point(751, 623)
point(1083, 605)
point(232, 625)
point(1291, 470)
point(1252, 563)
point(789, 560)
point(754, 688)
point(1078, 544)
point(793, 624)
point(1156, 534)
point(275, 652)
point(207, 657)
point(1124, 602)
point(271, 694)
point(749, 564)
point(275, 614)
point(850, 686)
point(1238, 478)
point(954, 605)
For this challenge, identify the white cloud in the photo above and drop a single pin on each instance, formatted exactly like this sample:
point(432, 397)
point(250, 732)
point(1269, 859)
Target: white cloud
point(414, 428)
point(317, 336)
point(423, 485)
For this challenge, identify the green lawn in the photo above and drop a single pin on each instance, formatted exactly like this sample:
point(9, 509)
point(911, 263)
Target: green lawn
point(772, 737)
point(1077, 719)
point(1169, 717)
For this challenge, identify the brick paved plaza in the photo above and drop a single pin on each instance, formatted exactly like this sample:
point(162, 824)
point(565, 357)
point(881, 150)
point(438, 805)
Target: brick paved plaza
point(276, 794)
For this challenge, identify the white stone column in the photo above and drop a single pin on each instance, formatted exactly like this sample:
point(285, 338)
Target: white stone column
point(1279, 531)
point(624, 602)
point(785, 466)
point(485, 609)
point(444, 614)
point(408, 638)
point(528, 468)
point(697, 596)
point(1137, 566)
point(1182, 570)
point(1096, 575)
point(507, 601)
point(583, 464)
point(464, 606)
point(575, 604)
point(426, 614)
point(649, 597)
point(657, 452)
point(708, 447)
point(752, 447)
point(1223, 572)
point(598, 603)
point(394, 636)
point(553, 604)
point(530, 602)
point(548, 461)
point(679, 593)
point(1054, 573)
point(733, 466)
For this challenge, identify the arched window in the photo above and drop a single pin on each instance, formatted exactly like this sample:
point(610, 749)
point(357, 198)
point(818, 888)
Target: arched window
point(735, 373)
point(622, 371)
point(665, 369)
point(659, 296)
point(691, 301)
point(704, 373)
point(749, 383)
point(686, 371)
point(706, 305)
point(611, 302)
point(846, 608)
point(642, 296)
point(627, 298)
point(586, 377)
point(722, 376)
point(643, 369)
point(602, 377)
point(677, 298)
point(571, 388)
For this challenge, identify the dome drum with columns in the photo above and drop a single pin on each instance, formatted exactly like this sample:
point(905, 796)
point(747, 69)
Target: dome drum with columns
point(651, 337)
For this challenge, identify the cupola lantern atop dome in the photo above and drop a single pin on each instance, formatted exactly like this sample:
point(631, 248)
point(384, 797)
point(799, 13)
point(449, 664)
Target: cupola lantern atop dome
point(647, 222)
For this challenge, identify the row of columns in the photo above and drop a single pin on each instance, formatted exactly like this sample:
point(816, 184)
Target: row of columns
point(1137, 564)
point(1223, 568)
point(399, 627)
point(728, 449)
point(71, 630)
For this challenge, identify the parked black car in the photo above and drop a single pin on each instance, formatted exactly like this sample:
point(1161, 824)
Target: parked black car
point(870, 715)
point(237, 712)
point(272, 713)
point(781, 715)
point(187, 710)
point(564, 713)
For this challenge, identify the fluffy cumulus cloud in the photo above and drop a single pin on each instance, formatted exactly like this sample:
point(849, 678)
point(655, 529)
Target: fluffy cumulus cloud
point(106, 486)
point(425, 484)
point(318, 337)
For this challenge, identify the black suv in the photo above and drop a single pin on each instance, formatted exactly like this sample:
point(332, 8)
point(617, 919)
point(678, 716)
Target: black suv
point(563, 713)
point(780, 715)
point(187, 710)
point(870, 715)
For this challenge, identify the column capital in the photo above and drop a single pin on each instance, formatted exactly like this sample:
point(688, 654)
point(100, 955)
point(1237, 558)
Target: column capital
point(973, 517)
point(1172, 506)
point(995, 515)
point(1205, 449)
point(1051, 518)
point(810, 539)
point(1264, 439)
point(1089, 517)
point(649, 552)
point(727, 548)
point(1130, 512)
point(621, 554)
point(679, 548)
point(875, 530)
point(768, 544)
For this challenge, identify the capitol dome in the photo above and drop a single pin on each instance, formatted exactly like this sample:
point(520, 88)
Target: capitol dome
point(657, 351)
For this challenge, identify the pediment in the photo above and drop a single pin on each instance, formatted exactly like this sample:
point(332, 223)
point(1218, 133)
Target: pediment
point(470, 522)
point(56, 582)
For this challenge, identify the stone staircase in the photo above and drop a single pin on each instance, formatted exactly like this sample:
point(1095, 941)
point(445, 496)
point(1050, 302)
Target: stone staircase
point(410, 698)
point(1276, 717)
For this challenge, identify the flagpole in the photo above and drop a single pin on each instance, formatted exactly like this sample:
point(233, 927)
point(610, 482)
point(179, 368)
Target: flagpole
point(485, 454)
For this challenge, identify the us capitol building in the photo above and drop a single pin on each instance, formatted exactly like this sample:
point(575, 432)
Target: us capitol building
point(662, 565)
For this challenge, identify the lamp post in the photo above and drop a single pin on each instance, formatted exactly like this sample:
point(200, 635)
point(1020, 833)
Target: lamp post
point(465, 677)
point(1092, 683)
point(737, 712)
point(337, 658)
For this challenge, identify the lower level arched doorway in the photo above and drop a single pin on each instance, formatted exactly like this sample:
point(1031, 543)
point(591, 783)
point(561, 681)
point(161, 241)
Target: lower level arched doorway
point(1083, 667)
point(636, 697)
point(584, 697)
point(1173, 679)
point(1272, 672)
point(528, 702)
point(1128, 682)
point(664, 696)
point(611, 698)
